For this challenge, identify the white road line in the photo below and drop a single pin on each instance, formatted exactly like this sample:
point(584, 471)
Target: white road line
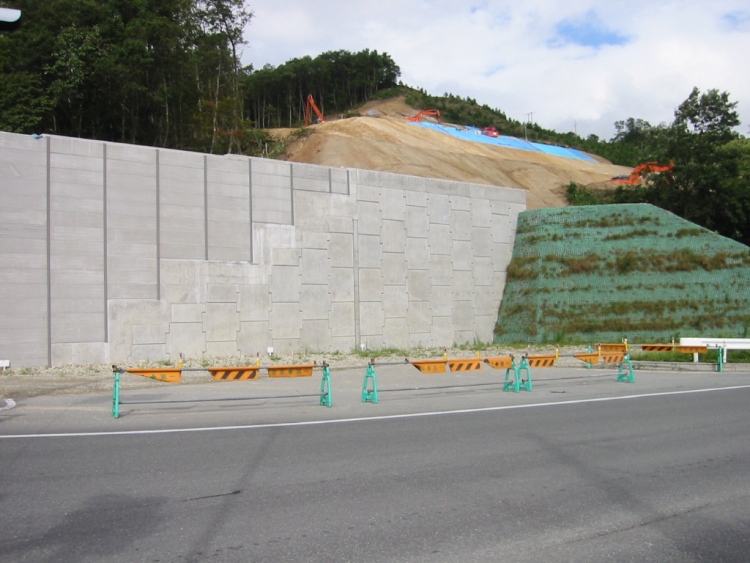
point(369, 418)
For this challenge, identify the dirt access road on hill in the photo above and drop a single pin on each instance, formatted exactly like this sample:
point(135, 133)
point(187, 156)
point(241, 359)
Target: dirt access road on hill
point(382, 140)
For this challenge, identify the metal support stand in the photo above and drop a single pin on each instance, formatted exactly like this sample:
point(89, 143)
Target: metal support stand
point(517, 383)
point(370, 395)
point(326, 394)
point(629, 376)
point(116, 393)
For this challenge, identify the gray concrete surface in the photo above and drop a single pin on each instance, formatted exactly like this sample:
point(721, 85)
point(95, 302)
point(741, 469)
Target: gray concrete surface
point(115, 253)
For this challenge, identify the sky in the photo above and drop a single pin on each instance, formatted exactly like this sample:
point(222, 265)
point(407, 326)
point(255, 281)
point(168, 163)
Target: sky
point(578, 65)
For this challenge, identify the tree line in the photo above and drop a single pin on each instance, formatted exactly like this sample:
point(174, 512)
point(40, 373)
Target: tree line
point(164, 73)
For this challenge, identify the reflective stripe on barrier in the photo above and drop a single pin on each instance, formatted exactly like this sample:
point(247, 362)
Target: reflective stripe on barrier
point(613, 357)
point(464, 365)
point(657, 347)
point(234, 374)
point(541, 361)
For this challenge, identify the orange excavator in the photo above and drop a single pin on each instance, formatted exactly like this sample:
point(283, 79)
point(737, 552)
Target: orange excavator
point(642, 170)
point(421, 114)
point(311, 105)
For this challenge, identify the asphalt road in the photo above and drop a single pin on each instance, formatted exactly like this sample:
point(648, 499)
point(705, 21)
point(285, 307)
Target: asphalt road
point(581, 469)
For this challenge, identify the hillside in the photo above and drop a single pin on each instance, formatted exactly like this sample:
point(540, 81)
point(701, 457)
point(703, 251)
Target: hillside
point(601, 273)
point(380, 139)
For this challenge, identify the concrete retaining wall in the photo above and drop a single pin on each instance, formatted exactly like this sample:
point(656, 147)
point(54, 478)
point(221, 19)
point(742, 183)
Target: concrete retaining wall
point(119, 253)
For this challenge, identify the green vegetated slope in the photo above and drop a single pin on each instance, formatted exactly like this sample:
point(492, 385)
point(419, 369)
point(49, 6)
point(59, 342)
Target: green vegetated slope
point(603, 273)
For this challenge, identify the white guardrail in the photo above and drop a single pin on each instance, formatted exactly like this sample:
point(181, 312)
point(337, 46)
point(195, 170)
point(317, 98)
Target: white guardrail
point(715, 343)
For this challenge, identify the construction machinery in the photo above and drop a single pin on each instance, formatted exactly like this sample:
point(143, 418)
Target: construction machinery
point(311, 105)
point(431, 112)
point(490, 131)
point(642, 170)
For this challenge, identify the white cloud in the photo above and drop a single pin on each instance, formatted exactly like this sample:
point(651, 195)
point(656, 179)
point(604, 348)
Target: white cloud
point(581, 64)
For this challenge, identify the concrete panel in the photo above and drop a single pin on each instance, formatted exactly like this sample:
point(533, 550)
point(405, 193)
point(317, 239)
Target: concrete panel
point(341, 321)
point(221, 322)
point(370, 251)
point(286, 284)
point(416, 198)
point(315, 266)
point(341, 250)
point(484, 325)
point(439, 239)
point(483, 272)
point(463, 286)
point(419, 317)
point(222, 293)
point(439, 209)
point(394, 268)
point(313, 240)
point(371, 319)
point(501, 229)
point(189, 313)
point(254, 302)
point(395, 333)
point(393, 204)
point(395, 302)
point(340, 225)
point(393, 236)
point(222, 348)
point(417, 254)
point(285, 321)
point(461, 255)
point(461, 225)
point(442, 333)
point(285, 257)
point(341, 285)
point(315, 302)
point(80, 353)
point(417, 222)
point(370, 285)
point(150, 333)
point(463, 316)
point(481, 241)
point(460, 203)
point(254, 337)
point(441, 301)
point(184, 338)
point(315, 336)
point(441, 270)
point(419, 286)
point(370, 218)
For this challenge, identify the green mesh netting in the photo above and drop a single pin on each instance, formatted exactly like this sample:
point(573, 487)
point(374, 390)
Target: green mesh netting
point(606, 272)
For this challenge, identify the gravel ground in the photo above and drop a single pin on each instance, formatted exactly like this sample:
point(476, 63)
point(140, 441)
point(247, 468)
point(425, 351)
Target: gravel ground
point(71, 379)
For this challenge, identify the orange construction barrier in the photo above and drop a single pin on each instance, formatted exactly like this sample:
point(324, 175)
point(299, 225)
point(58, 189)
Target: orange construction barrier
point(502, 362)
point(588, 357)
point(430, 366)
point(301, 370)
point(691, 349)
point(167, 375)
point(657, 347)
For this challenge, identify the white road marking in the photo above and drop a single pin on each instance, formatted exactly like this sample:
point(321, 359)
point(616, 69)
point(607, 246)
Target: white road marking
point(369, 418)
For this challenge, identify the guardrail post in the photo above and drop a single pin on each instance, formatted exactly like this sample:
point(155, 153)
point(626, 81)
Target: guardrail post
point(621, 375)
point(720, 366)
point(326, 393)
point(116, 393)
point(370, 395)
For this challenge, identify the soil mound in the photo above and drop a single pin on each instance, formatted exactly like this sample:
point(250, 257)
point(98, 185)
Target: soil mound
point(380, 139)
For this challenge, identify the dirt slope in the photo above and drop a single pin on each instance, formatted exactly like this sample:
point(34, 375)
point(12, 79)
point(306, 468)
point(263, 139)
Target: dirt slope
point(380, 139)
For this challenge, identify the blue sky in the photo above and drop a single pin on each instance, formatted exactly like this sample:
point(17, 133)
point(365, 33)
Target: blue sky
point(577, 66)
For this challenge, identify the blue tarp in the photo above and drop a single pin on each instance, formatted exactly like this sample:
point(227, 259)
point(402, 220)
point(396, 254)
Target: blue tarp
point(474, 134)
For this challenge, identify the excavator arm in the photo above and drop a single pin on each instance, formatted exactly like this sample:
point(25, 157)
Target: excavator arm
point(432, 112)
point(311, 105)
